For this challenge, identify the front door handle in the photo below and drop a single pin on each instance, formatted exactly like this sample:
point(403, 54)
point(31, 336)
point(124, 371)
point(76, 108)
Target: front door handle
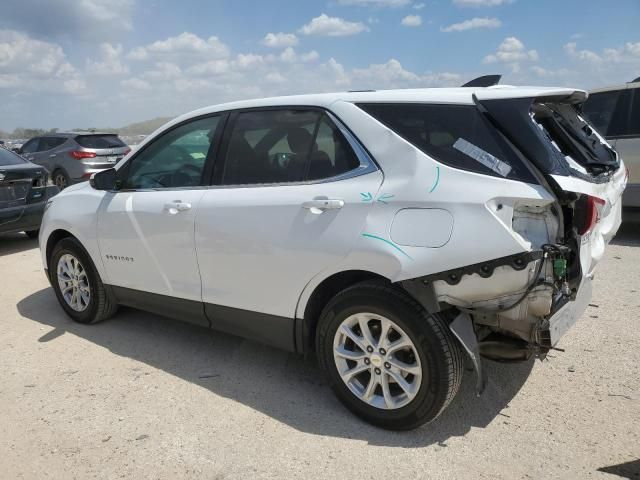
point(177, 206)
point(320, 205)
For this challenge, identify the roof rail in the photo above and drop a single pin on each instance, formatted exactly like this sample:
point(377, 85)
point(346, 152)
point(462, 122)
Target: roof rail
point(484, 81)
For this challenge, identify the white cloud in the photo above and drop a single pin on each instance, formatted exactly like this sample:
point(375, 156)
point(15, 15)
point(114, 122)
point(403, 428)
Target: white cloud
point(419, 6)
point(110, 62)
point(135, 84)
point(280, 40)
point(512, 51)
point(481, 3)
point(89, 20)
point(412, 21)
point(375, 3)
point(628, 53)
point(32, 65)
point(332, 27)
point(393, 75)
point(472, 24)
point(185, 44)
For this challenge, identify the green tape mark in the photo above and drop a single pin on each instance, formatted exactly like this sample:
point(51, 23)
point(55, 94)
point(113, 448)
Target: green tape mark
point(366, 196)
point(435, 184)
point(388, 243)
point(384, 197)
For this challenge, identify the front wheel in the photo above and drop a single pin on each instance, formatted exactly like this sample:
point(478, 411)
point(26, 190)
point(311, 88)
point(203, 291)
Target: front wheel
point(77, 283)
point(386, 358)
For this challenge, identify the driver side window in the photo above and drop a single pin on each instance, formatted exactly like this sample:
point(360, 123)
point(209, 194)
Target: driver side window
point(175, 159)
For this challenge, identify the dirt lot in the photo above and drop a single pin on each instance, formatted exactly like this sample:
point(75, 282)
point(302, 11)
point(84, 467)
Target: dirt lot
point(141, 396)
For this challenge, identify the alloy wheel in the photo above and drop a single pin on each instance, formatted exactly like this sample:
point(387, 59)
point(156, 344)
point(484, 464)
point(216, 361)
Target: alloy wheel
point(73, 282)
point(377, 361)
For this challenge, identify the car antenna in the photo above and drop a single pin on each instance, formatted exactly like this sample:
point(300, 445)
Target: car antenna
point(484, 81)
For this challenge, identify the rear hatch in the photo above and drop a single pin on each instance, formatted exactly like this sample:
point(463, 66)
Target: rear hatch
point(579, 166)
point(21, 183)
point(103, 148)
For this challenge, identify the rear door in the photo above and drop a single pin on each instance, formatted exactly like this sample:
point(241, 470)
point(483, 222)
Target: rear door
point(47, 155)
point(291, 193)
point(146, 228)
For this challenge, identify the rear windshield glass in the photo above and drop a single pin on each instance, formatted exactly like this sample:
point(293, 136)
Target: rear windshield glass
point(574, 138)
point(10, 158)
point(99, 141)
point(457, 135)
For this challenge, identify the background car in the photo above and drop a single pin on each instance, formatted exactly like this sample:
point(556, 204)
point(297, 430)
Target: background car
point(73, 157)
point(23, 194)
point(615, 113)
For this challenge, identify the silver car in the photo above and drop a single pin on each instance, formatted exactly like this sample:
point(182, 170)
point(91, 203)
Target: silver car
point(615, 113)
point(73, 157)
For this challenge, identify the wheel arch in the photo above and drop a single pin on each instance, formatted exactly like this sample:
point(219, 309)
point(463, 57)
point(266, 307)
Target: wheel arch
point(309, 312)
point(53, 239)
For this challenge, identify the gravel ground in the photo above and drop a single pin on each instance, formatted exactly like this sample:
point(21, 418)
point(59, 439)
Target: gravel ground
point(141, 396)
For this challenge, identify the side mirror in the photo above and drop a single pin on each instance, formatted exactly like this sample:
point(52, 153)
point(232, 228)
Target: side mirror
point(16, 150)
point(104, 180)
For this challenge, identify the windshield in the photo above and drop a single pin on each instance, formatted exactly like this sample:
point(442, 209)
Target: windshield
point(10, 158)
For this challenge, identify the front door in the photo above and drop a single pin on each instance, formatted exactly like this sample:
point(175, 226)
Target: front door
point(290, 200)
point(146, 228)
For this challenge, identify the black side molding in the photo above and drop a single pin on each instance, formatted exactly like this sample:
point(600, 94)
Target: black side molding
point(262, 327)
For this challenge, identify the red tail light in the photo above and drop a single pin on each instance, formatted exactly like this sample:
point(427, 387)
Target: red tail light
point(79, 155)
point(592, 217)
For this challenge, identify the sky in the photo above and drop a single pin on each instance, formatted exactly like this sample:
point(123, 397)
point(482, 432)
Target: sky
point(107, 63)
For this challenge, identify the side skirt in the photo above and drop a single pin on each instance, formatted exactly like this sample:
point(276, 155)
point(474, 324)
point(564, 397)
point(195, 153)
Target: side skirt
point(269, 329)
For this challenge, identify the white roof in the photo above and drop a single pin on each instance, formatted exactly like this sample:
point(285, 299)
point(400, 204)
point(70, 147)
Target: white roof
point(458, 95)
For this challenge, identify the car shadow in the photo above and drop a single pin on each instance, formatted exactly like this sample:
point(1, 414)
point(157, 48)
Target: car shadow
point(16, 243)
point(284, 386)
point(628, 235)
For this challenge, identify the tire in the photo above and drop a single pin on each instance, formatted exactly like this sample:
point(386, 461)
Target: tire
point(32, 233)
point(434, 355)
point(60, 179)
point(99, 305)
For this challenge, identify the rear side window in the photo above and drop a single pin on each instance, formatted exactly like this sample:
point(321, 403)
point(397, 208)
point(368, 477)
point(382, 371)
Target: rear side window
point(31, 146)
point(285, 146)
point(47, 143)
point(99, 141)
point(10, 158)
point(457, 135)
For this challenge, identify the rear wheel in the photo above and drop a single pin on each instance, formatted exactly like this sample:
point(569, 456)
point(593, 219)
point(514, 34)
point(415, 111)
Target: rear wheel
point(386, 358)
point(77, 283)
point(60, 179)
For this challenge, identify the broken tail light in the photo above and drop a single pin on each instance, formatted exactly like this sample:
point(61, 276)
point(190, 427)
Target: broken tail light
point(592, 214)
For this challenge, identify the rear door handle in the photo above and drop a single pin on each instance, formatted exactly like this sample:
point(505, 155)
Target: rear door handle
point(320, 205)
point(177, 206)
point(52, 155)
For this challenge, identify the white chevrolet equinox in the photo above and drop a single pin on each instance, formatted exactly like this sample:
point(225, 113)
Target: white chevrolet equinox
point(393, 233)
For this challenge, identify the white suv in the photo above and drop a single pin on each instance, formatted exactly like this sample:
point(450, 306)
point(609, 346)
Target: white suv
point(391, 232)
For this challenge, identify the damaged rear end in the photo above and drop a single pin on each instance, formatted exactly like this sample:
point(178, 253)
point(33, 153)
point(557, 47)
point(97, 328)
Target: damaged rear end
point(514, 307)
